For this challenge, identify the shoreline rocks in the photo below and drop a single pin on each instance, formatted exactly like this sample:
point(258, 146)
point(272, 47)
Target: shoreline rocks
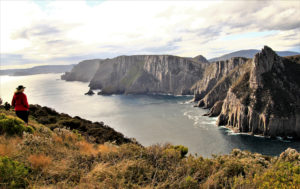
point(90, 92)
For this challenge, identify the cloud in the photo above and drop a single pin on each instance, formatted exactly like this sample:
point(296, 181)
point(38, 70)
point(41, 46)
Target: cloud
point(55, 31)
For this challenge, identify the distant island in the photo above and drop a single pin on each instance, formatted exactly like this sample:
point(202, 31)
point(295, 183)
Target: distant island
point(259, 95)
point(37, 70)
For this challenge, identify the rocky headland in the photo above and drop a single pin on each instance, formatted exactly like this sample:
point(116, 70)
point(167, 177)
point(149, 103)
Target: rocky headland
point(142, 74)
point(258, 96)
point(265, 100)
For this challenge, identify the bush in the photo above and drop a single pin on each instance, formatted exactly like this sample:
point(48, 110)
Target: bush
point(183, 150)
point(12, 174)
point(189, 182)
point(70, 123)
point(47, 120)
point(282, 175)
point(12, 125)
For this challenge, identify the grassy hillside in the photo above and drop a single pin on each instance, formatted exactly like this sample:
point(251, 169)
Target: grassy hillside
point(59, 151)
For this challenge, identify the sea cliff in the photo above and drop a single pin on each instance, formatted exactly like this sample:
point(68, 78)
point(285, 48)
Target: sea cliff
point(257, 96)
point(265, 100)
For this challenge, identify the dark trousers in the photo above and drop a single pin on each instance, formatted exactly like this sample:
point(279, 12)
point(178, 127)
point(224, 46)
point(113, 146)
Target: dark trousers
point(23, 115)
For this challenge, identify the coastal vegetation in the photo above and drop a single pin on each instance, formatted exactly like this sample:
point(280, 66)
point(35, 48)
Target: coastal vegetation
point(61, 151)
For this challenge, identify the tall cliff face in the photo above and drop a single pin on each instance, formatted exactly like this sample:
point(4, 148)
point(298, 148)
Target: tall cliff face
point(213, 73)
point(84, 71)
point(219, 91)
point(147, 74)
point(266, 99)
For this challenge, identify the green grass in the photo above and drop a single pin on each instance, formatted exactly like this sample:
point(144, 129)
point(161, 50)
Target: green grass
point(134, 73)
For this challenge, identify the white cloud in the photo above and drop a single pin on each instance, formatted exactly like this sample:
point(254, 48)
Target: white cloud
point(65, 29)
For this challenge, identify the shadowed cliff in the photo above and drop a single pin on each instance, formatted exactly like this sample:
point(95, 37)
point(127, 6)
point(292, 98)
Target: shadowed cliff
point(259, 97)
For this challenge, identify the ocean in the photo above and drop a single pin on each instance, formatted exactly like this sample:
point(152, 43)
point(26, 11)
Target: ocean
point(150, 119)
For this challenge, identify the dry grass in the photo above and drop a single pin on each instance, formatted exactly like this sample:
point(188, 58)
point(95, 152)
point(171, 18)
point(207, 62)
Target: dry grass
point(107, 148)
point(40, 161)
point(57, 139)
point(86, 148)
point(5, 150)
point(8, 146)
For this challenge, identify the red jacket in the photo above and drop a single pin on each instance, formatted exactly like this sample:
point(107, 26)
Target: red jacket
point(20, 102)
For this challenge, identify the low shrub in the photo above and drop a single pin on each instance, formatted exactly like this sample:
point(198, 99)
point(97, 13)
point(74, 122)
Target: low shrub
point(189, 182)
point(97, 130)
point(282, 175)
point(13, 126)
point(13, 174)
point(47, 120)
point(183, 150)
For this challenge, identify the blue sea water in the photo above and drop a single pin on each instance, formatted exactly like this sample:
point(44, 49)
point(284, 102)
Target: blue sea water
point(151, 119)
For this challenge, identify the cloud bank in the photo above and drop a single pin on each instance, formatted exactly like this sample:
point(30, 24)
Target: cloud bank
point(64, 32)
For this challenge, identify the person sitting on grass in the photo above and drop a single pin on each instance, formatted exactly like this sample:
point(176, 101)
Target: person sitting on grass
point(20, 103)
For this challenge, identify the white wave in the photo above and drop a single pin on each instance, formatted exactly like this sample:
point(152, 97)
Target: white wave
point(281, 139)
point(229, 131)
point(186, 102)
point(199, 121)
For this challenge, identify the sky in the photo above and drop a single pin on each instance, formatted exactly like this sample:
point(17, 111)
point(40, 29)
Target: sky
point(42, 32)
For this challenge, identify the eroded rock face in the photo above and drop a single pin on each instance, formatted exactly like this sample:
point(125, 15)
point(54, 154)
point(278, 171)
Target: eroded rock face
point(147, 74)
point(217, 79)
point(265, 100)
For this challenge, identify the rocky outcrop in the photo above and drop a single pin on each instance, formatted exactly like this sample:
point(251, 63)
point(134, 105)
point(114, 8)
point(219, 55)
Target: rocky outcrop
point(215, 110)
point(266, 99)
point(84, 71)
point(90, 92)
point(264, 62)
point(201, 59)
point(142, 74)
